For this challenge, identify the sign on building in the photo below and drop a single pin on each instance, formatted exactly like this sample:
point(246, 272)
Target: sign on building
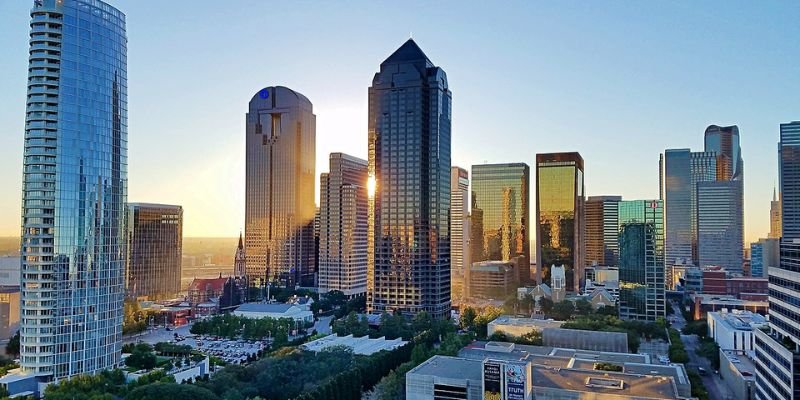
point(492, 380)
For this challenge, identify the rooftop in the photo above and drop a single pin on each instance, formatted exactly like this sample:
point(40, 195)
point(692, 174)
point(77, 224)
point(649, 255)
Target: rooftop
point(742, 362)
point(526, 322)
point(265, 307)
point(604, 382)
point(451, 368)
point(360, 345)
point(739, 320)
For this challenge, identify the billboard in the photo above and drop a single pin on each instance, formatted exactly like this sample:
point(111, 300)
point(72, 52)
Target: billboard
point(492, 380)
point(514, 377)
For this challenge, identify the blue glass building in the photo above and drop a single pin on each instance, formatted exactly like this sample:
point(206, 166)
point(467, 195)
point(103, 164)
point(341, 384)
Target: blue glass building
point(409, 186)
point(74, 189)
point(641, 260)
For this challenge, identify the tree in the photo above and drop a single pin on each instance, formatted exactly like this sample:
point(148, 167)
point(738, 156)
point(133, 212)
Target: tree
point(12, 348)
point(563, 310)
point(172, 391)
point(142, 357)
point(468, 318)
point(546, 305)
point(583, 307)
point(421, 322)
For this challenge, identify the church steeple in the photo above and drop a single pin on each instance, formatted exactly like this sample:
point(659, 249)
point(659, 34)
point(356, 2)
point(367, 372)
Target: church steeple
point(239, 260)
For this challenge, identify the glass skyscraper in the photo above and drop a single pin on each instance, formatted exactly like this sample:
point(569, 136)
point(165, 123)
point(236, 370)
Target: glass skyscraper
point(602, 230)
point(560, 216)
point(409, 184)
point(641, 260)
point(74, 189)
point(343, 226)
point(279, 191)
point(777, 358)
point(501, 194)
point(153, 251)
point(719, 224)
point(459, 232)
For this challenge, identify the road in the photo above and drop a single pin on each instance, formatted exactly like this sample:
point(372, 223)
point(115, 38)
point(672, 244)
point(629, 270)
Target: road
point(717, 389)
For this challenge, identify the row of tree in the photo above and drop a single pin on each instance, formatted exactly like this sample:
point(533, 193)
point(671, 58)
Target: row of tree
point(232, 327)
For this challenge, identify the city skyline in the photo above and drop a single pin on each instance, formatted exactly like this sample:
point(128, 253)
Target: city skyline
point(212, 184)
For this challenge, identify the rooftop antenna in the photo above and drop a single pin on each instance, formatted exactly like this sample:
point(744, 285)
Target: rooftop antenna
point(410, 34)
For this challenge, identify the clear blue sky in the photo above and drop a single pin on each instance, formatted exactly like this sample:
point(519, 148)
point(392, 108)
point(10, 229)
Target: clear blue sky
point(617, 81)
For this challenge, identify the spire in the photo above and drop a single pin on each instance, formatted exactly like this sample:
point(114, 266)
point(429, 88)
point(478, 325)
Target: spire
point(408, 52)
point(774, 194)
point(240, 240)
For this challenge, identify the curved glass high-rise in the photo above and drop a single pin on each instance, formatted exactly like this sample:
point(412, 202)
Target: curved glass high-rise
point(74, 189)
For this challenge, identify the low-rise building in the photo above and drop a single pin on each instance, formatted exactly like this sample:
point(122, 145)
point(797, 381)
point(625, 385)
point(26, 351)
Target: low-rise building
point(492, 279)
point(705, 303)
point(585, 340)
point(737, 370)
point(275, 310)
point(734, 330)
point(514, 327)
point(360, 345)
point(717, 280)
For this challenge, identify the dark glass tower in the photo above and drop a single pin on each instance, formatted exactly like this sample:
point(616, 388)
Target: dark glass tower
point(74, 189)
point(409, 185)
point(279, 199)
point(500, 192)
point(560, 216)
point(602, 229)
point(641, 260)
point(154, 243)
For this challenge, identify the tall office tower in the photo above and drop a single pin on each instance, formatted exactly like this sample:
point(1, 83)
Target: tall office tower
point(602, 230)
point(74, 189)
point(724, 142)
point(279, 199)
point(409, 177)
point(719, 224)
point(775, 217)
point(501, 193)
point(343, 226)
point(682, 170)
point(560, 216)
point(778, 352)
point(641, 260)
point(459, 232)
point(154, 242)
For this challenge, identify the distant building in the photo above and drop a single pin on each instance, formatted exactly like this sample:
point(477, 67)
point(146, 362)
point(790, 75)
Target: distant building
point(775, 219)
point(409, 181)
point(279, 190)
point(343, 226)
point(558, 278)
point(492, 279)
point(602, 230)
point(154, 236)
point(360, 345)
point(720, 236)
point(10, 270)
point(459, 233)
point(213, 295)
point(9, 312)
point(705, 303)
point(501, 194)
point(276, 311)
point(764, 254)
point(514, 327)
point(734, 330)
point(718, 280)
point(585, 340)
point(641, 260)
point(560, 214)
point(241, 281)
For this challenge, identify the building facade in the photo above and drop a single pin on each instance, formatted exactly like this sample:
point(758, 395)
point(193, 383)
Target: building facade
point(492, 279)
point(74, 189)
point(778, 352)
point(720, 234)
point(641, 262)
point(602, 230)
point(500, 193)
point(560, 223)
point(279, 190)
point(153, 252)
point(775, 230)
point(343, 226)
point(459, 232)
point(764, 254)
point(409, 186)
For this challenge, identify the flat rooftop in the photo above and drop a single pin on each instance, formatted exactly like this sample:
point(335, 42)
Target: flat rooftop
point(603, 382)
point(745, 321)
point(723, 300)
point(741, 362)
point(526, 322)
point(451, 368)
point(360, 345)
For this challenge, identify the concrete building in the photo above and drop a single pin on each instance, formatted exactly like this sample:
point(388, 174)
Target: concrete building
point(409, 205)
point(459, 233)
point(343, 226)
point(738, 372)
point(276, 311)
point(734, 330)
point(360, 345)
point(279, 191)
point(10, 270)
point(615, 342)
point(764, 254)
point(514, 327)
point(602, 230)
point(718, 280)
point(154, 237)
point(492, 279)
point(705, 303)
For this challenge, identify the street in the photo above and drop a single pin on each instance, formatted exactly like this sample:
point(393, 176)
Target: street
point(717, 389)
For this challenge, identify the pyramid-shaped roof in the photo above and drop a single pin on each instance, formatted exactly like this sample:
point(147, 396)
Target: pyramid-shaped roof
point(408, 52)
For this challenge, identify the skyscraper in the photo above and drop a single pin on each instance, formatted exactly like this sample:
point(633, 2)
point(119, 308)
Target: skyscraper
point(641, 260)
point(775, 217)
point(778, 352)
point(154, 243)
point(683, 169)
point(279, 198)
point(764, 254)
point(602, 230)
point(501, 193)
point(74, 189)
point(409, 182)
point(343, 226)
point(720, 238)
point(724, 142)
point(459, 231)
point(560, 216)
